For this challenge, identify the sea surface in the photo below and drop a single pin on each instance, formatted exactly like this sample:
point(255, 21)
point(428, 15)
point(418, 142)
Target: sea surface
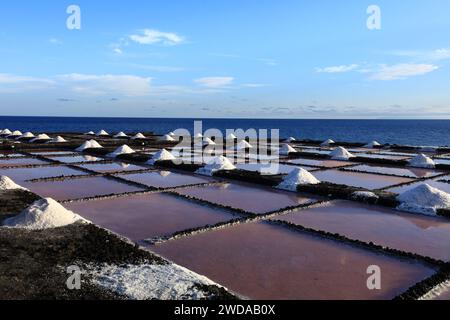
point(407, 132)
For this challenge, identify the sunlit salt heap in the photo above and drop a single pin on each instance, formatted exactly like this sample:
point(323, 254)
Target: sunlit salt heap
point(102, 133)
point(220, 163)
point(424, 199)
point(421, 161)
point(41, 137)
point(7, 184)
point(166, 138)
point(16, 133)
point(161, 155)
point(121, 134)
point(91, 144)
point(43, 214)
point(90, 133)
point(341, 154)
point(121, 150)
point(198, 136)
point(297, 177)
point(327, 143)
point(138, 136)
point(231, 136)
point(59, 139)
point(286, 149)
point(26, 135)
point(6, 132)
point(243, 144)
point(291, 139)
point(372, 144)
point(208, 142)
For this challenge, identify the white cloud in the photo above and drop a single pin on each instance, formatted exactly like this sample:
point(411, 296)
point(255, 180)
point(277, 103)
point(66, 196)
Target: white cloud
point(127, 85)
point(13, 83)
point(254, 85)
point(118, 51)
point(151, 36)
point(55, 41)
point(338, 69)
point(402, 71)
point(214, 82)
point(430, 55)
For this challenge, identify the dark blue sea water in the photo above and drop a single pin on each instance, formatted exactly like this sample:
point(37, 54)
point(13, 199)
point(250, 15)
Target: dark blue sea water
point(414, 132)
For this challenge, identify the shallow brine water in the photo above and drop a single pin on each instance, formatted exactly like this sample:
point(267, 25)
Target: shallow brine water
point(147, 216)
point(427, 236)
point(165, 179)
point(407, 172)
point(20, 162)
point(111, 167)
point(262, 261)
point(19, 175)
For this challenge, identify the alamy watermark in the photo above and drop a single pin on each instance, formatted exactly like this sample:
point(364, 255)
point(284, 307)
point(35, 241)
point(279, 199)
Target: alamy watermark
point(374, 19)
point(73, 22)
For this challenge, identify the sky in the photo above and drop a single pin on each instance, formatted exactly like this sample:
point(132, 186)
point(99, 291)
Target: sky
point(226, 59)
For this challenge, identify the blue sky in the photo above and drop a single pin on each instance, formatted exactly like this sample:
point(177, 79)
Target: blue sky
point(245, 59)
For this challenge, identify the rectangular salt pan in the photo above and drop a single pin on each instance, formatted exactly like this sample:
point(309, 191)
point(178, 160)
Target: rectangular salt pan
point(165, 179)
point(262, 261)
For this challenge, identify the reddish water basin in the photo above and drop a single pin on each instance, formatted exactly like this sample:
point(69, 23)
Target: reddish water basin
point(20, 175)
point(432, 182)
point(383, 156)
point(165, 179)
point(20, 162)
point(405, 172)
point(111, 167)
point(427, 236)
point(320, 163)
point(356, 179)
point(270, 168)
point(442, 161)
point(262, 261)
point(80, 188)
point(248, 197)
point(76, 159)
point(148, 216)
point(54, 153)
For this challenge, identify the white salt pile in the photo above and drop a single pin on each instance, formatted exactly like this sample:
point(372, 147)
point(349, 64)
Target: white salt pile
point(231, 136)
point(423, 199)
point(372, 144)
point(341, 154)
point(7, 184)
point(90, 133)
point(41, 137)
point(243, 144)
point(138, 136)
point(166, 138)
point(102, 133)
point(91, 144)
point(364, 195)
point(198, 136)
point(291, 139)
point(26, 135)
point(220, 163)
point(422, 161)
point(161, 155)
point(286, 149)
point(121, 134)
point(172, 134)
point(297, 177)
point(208, 142)
point(43, 214)
point(6, 132)
point(58, 139)
point(151, 281)
point(121, 150)
point(327, 143)
point(16, 133)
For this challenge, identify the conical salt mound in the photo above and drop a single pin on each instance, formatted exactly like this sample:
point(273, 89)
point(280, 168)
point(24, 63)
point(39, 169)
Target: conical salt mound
point(102, 133)
point(59, 139)
point(341, 154)
point(121, 150)
point(90, 133)
point(26, 135)
point(243, 144)
point(16, 133)
point(297, 177)
point(7, 184)
point(208, 142)
point(91, 144)
point(198, 136)
point(231, 136)
point(138, 136)
point(6, 132)
point(121, 134)
point(41, 137)
point(373, 144)
point(286, 149)
point(43, 214)
point(327, 143)
point(422, 161)
point(166, 138)
point(291, 139)
point(220, 163)
point(172, 134)
point(161, 155)
point(424, 199)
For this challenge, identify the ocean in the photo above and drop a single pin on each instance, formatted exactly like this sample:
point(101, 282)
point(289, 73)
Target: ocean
point(407, 132)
